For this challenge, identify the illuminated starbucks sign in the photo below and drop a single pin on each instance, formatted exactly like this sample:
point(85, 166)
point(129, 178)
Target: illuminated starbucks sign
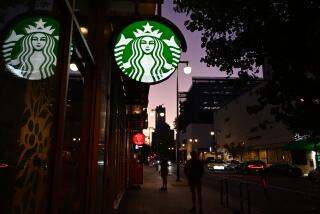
point(147, 51)
point(30, 48)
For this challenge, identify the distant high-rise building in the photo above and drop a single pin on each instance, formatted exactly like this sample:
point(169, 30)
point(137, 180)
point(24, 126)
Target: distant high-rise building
point(197, 107)
point(160, 115)
point(207, 95)
point(162, 137)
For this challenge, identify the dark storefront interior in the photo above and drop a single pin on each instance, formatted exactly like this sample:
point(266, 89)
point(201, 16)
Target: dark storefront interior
point(65, 140)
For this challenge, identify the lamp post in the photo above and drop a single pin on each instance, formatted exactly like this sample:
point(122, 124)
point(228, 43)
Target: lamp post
point(213, 142)
point(193, 141)
point(186, 70)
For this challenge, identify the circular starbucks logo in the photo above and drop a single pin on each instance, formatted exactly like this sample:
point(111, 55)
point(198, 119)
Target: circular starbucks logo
point(147, 51)
point(30, 48)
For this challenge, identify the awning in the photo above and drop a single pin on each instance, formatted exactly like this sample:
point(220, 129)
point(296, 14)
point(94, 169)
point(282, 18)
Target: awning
point(304, 144)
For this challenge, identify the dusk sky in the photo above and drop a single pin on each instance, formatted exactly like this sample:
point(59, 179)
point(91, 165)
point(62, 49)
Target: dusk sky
point(165, 92)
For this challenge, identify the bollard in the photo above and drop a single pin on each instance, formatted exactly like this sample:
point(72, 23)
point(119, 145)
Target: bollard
point(241, 198)
point(248, 199)
point(264, 186)
point(221, 191)
point(227, 193)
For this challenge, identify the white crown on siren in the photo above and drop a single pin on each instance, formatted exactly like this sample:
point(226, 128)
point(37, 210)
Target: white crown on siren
point(147, 31)
point(39, 28)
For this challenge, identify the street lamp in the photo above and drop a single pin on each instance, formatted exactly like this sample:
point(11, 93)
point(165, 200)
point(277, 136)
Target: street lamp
point(214, 146)
point(186, 70)
point(213, 141)
point(193, 141)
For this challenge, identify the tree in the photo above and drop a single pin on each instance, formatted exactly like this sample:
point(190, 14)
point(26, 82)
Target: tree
point(282, 36)
point(31, 4)
point(234, 149)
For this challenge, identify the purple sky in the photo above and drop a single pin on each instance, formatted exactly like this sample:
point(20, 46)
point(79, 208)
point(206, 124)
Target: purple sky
point(165, 92)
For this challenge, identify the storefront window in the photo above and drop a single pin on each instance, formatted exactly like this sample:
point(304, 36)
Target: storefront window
point(70, 174)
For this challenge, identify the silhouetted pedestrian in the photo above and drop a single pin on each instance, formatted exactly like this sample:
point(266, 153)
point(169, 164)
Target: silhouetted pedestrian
point(164, 171)
point(194, 172)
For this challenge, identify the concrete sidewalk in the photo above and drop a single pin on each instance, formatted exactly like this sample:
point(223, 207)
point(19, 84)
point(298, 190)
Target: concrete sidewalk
point(176, 200)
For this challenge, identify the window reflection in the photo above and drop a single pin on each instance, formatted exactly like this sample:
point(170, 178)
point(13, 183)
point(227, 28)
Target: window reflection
point(70, 182)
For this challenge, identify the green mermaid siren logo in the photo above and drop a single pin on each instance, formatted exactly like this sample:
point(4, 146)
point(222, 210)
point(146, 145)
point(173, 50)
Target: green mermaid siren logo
point(147, 51)
point(30, 48)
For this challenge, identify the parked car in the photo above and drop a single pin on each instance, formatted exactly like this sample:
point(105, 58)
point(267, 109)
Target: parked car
point(231, 165)
point(217, 164)
point(283, 169)
point(210, 159)
point(314, 175)
point(251, 167)
point(209, 163)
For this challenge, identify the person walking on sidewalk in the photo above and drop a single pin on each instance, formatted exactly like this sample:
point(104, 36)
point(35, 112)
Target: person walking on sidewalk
point(164, 171)
point(194, 172)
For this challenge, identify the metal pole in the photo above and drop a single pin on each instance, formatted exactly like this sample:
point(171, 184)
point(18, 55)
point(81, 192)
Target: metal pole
point(221, 191)
point(177, 124)
point(248, 199)
point(60, 114)
point(227, 193)
point(159, 9)
point(177, 127)
point(317, 155)
point(241, 195)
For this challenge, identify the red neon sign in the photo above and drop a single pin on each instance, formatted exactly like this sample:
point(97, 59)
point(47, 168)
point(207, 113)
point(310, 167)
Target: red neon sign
point(138, 139)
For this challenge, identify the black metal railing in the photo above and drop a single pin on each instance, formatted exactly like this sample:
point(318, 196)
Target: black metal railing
point(255, 198)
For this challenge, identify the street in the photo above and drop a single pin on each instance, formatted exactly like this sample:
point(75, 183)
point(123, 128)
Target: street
point(279, 195)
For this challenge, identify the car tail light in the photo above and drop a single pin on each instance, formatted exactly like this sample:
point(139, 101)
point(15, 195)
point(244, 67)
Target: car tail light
point(255, 166)
point(3, 165)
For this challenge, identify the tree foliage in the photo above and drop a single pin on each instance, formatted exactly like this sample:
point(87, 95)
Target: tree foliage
point(31, 4)
point(282, 36)
point(234, 149)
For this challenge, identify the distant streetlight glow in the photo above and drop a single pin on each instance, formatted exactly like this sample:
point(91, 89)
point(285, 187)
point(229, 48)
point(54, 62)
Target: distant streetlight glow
point(161, 114)
point(84, 30)
point(187, 70)
point(73, 67)
point(193, 140)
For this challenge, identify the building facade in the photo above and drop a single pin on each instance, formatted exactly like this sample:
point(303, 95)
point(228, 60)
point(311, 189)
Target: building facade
point(66, 141)
point(259, 134)
point(163, 136)
point(198, 137)
point(197, 107)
